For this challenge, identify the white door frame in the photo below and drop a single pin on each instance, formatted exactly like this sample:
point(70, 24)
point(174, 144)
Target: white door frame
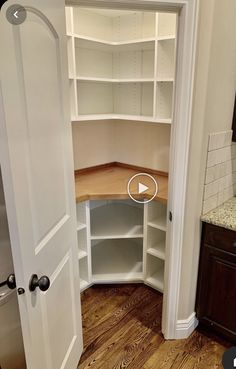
point(180, 141)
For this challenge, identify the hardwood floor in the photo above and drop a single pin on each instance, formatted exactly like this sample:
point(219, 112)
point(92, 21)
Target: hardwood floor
point(122, 329)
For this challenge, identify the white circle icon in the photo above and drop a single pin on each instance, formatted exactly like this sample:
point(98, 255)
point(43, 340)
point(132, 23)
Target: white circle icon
point(142, 188)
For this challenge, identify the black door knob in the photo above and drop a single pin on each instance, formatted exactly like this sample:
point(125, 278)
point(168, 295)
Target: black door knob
point(42, 283)
point(10, 282)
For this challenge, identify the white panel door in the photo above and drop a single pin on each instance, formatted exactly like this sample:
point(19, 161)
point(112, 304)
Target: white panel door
point(37, 167)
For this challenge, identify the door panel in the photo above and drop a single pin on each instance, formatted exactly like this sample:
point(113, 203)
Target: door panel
point(41, 77)
point(61, 289)
point(37, 166)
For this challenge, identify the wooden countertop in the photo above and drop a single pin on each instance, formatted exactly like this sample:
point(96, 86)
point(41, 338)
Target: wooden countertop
point(110, 182)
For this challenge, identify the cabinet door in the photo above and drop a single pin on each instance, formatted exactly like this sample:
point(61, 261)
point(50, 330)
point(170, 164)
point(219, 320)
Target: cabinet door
point(216, 303)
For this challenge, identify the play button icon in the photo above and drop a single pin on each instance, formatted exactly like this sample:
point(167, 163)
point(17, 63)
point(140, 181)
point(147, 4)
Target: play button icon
point(142, 188)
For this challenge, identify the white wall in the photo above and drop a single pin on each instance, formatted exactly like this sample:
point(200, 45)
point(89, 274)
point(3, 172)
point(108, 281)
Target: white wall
point(137, 143)
point(143, 144)
point(215, 85)
point(93, 143)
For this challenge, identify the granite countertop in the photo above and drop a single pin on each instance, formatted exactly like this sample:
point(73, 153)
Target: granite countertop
point(223, 216)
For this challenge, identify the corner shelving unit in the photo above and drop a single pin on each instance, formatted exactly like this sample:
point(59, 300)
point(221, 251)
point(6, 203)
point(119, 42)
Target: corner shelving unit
point(121, 241)
point(155, 244)
point(84, 246)
point(117, 241)
point(121, 64)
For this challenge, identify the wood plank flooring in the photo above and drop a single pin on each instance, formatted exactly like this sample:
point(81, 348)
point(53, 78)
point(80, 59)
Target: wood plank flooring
point(122, 329)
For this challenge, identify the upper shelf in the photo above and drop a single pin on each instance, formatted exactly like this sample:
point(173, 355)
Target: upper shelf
point(116, 80)
point(141, 118)
point(121, 65)
point(138, 44)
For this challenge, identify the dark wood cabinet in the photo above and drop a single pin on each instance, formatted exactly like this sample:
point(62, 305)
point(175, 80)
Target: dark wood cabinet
point(234, 122)
point(216, 295)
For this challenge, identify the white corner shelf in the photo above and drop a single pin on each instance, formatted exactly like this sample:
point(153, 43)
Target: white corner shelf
point(157, 216)
point(157, 280)
point(116, 220)
point(83, 273)
point(155, 272)
point(158, 250)
point(121, 66)
point(156, 241)
point(165, 79)
point(166, 38)
point(159, 223)
point(136, 118)
point(115, 80)
point(82, 254)
point(116, 249)
point(80, 226)
point(135, 44)
point(117, 277)
point(83, 285)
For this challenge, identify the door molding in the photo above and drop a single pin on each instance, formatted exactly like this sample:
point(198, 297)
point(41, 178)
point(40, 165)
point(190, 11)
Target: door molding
point(180, 141)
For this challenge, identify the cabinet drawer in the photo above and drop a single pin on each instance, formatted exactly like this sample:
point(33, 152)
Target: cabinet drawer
point(219, 237)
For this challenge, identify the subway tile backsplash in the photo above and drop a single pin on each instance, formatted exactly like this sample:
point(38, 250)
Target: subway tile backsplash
point(220, 177)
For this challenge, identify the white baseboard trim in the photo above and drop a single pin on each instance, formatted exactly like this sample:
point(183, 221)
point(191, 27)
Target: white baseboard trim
point(184, 328)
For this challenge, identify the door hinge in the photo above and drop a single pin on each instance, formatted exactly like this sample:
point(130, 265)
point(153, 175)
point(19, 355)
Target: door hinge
point(170, 216)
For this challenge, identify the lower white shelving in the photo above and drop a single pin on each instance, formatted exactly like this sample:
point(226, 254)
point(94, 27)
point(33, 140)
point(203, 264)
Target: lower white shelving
point(119, 243)
point(117, 260)
point(83, 284)
point(84, 273)
point(155, 272)
point(156, 242)
point(82, 254)
point(84, 250)
point(116, 220)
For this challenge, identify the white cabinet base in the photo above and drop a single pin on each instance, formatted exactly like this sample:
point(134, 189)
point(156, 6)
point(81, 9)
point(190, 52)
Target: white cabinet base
point(121, 242)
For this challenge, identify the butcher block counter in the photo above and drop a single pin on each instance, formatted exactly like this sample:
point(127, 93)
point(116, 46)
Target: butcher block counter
point(110, 181)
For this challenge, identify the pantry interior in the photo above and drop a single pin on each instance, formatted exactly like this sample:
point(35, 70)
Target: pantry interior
point(122, 67)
